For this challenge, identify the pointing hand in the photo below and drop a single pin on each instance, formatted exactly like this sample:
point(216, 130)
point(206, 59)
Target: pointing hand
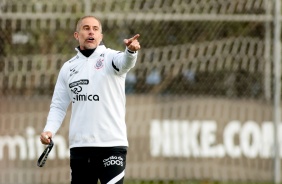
point(132, 43)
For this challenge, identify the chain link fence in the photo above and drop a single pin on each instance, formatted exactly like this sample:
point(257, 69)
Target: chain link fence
point(198, 100)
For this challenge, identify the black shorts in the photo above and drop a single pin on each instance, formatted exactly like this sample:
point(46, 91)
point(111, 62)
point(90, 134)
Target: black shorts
point(88, 164)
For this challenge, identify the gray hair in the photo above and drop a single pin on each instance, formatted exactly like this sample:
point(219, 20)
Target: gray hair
point(78, 24)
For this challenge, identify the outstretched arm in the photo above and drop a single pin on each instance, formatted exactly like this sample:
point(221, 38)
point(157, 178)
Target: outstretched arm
point(123, 62)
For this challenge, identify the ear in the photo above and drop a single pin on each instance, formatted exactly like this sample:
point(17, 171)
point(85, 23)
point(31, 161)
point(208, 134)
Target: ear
point(75, 34)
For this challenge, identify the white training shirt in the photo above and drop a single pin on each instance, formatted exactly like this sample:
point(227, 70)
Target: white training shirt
point(96, 88)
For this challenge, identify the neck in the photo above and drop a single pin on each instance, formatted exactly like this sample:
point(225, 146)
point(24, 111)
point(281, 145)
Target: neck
point(86, 52)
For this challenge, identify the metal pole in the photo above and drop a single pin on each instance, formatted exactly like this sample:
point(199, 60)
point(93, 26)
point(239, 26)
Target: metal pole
point(87, 7)
point(277, 86)
point(267, 50)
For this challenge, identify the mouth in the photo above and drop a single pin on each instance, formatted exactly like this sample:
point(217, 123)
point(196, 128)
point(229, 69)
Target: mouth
point(90, 39)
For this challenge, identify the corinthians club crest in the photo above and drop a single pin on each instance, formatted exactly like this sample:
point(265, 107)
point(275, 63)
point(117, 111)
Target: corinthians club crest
point(99, 64)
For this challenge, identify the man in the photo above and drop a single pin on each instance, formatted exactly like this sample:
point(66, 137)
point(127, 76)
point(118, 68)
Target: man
point(94, 82)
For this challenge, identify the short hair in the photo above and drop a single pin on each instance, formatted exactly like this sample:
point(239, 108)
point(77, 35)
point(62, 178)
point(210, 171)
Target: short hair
point(78, 24)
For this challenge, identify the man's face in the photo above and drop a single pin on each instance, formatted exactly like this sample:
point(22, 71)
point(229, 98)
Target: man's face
point(89, 34)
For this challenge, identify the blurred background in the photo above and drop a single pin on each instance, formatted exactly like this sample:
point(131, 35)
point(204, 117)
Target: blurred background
point(201, 100)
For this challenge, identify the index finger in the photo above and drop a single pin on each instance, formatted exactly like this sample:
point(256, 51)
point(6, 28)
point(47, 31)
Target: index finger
point(135, 37)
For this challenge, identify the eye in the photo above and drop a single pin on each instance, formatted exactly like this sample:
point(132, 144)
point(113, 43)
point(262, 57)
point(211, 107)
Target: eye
point(85, 28)
point(96, 28)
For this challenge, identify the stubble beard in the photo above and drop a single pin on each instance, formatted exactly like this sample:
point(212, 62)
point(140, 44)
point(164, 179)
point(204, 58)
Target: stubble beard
point(89, 46)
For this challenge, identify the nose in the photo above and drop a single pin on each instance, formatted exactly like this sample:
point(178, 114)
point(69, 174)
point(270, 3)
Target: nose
point(91, 32)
